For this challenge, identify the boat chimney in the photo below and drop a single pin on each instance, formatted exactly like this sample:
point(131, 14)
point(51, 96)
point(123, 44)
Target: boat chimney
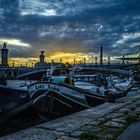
point(123, 57)
point(109, 58)
point(96, 60)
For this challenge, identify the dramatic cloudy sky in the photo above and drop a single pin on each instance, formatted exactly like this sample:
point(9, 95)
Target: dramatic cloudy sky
point(70, 28)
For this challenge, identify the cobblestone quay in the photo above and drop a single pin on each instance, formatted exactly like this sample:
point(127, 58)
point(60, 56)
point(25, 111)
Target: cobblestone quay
point(104, 122)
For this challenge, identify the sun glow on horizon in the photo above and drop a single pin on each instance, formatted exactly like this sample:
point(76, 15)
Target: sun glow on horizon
point(15, 42)
point(67, 57)
point(56, 57)
point(64, 57)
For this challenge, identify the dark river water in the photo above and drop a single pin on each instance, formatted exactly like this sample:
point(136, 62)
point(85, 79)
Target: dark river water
point(19, 123)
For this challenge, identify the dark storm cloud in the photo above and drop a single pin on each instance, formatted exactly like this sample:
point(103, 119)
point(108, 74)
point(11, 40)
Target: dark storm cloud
point(71, 26)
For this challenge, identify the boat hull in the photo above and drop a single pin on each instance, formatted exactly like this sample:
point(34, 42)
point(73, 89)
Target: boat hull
point(32, 75)
point(56, 104)
point(79, 95)
point(11, 98)
point(94, 101)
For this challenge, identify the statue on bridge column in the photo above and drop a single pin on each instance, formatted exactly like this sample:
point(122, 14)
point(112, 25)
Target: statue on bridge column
point(4, 44)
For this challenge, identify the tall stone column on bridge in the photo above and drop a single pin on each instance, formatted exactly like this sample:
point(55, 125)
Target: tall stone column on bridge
point(4, 56)
point(42, 57)
point(41, 63)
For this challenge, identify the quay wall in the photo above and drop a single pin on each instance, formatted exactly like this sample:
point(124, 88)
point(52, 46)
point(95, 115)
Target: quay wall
point(104, 121)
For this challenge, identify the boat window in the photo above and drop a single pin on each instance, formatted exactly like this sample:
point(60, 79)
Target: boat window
point(63, 72)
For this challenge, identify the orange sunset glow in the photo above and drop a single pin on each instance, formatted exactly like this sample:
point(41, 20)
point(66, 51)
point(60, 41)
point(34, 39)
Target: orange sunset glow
point(65, 57)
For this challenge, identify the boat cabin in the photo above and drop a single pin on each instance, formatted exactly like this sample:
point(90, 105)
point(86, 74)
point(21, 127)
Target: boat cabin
point(61, 79)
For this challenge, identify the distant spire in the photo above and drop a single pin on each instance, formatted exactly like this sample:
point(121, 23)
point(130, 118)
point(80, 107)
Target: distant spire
point(13, 65)
point(101, 55)
point(74, 61)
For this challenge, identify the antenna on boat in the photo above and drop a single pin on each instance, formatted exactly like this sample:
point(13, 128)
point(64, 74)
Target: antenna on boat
point(51, 72)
